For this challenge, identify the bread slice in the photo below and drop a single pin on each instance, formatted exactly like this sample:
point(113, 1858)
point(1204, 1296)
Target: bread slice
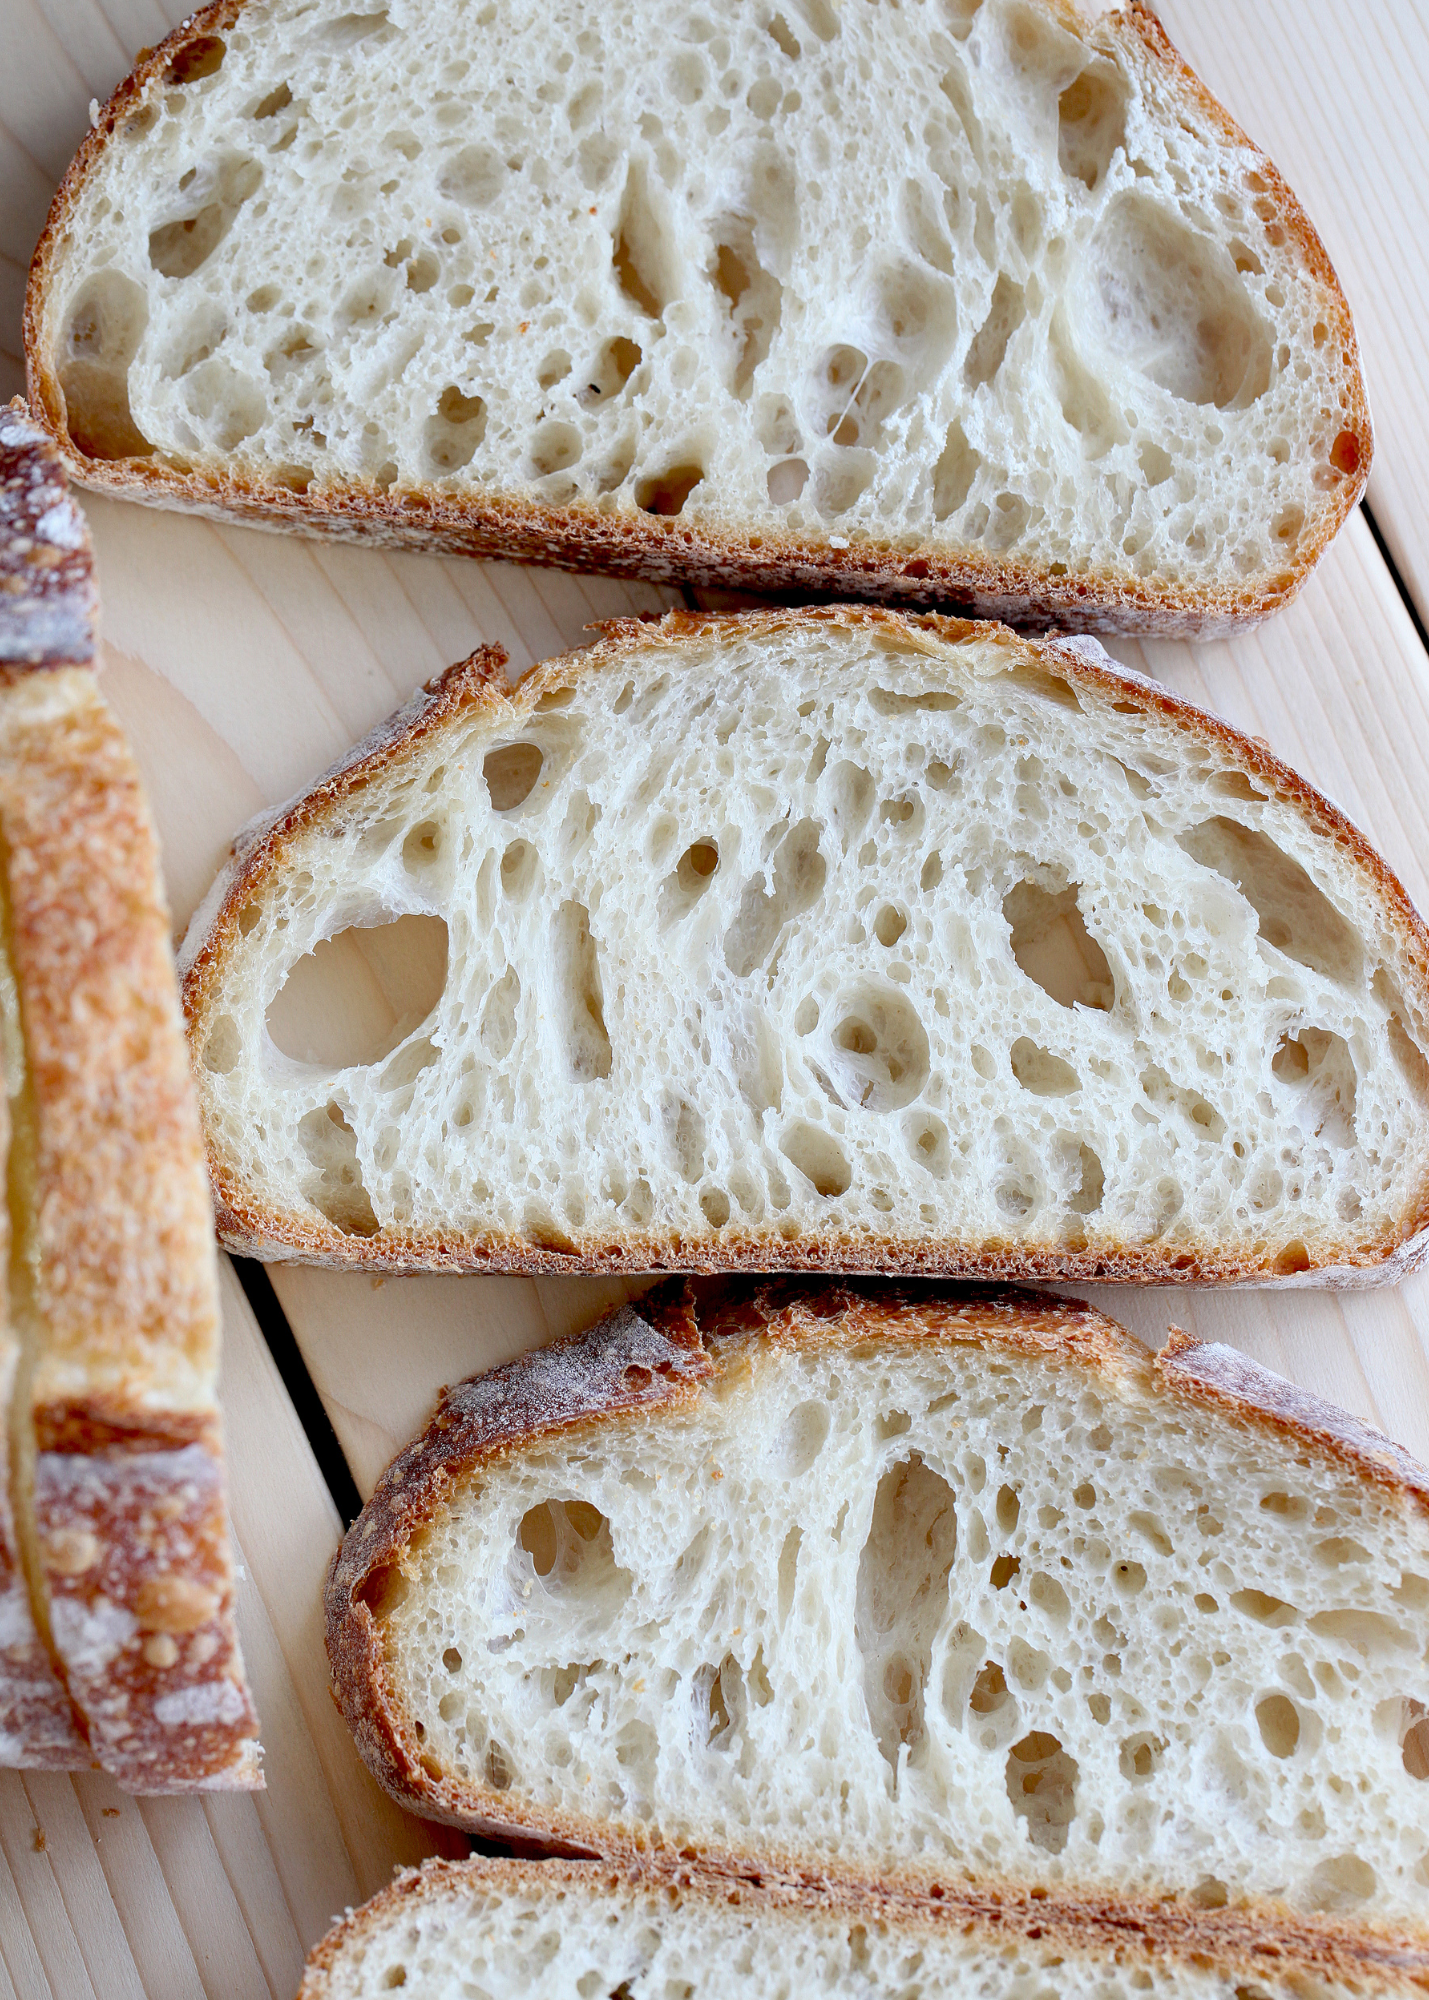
point(833, 938)
point(962, 1595)
point(511, 1929)
point(986, 302)
point(115, 1517)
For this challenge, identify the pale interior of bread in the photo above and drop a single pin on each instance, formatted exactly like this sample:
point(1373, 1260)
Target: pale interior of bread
point(934, 1606)
point(952, 278)
point(825, 933)
point(534, 1930)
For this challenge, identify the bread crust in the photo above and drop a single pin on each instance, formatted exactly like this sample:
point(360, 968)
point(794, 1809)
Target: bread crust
point(253, 1227)
point(131, 1563)
point(656, 1358)
point(1108, 1932)
point(666, 550)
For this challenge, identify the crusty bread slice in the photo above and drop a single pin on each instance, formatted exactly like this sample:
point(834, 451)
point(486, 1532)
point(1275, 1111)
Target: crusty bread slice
point(985, 302)
point(515, 1930)
point(959, 1594)
point(115, 1487)
point(833, 938)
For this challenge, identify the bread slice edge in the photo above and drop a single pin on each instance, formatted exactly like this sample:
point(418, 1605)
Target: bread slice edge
point(1100, 1930)
point(580, 538)
point(251, 1226)
point(651, 1359)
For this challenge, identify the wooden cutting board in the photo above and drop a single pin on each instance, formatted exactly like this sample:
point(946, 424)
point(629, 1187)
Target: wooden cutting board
point(242, 663)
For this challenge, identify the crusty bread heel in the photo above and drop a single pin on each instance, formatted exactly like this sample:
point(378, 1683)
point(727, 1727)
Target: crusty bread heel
point(114, 1537)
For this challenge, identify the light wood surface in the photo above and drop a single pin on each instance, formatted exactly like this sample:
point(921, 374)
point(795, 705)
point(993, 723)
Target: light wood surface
point(242, 663)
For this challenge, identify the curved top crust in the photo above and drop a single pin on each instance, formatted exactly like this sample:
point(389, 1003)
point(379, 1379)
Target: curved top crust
point(1025, 587)
point(666, 1353)
point(48, 603)
point(477, 687)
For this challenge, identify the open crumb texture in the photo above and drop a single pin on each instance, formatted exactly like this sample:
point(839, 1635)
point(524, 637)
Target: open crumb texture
point(580, 1931)
point(968, 299)
point(963, 1596)
point(834, 938)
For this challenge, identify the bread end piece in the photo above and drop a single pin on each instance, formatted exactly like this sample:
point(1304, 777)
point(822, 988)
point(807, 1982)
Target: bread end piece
point(116, 1478)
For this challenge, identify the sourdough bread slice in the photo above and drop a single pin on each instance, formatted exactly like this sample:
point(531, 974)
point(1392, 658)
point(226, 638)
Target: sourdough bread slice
point(512, 1930)
point(115, 1477)
point(832, 938)
point(959, 1594)
point(983, 301)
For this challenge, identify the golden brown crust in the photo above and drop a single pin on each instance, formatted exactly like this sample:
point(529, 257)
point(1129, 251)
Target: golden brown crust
point(251, 1226)
point(38, 1726)
point(131, 1561)
point(658, 1357)
point(1109, 1931)
point(670, 550)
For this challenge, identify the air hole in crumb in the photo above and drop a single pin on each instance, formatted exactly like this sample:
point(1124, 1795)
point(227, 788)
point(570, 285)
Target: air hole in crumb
point(576, 987)
point(715, 1203)
point(1004, 316)
point(799, 872)
point(1039, 1071)
point(879, 1053)
point(554, 447)
point(452, 435)
point(818, 1156)
point(902, 1598)
point(422, 847)
point(613, 367)
point(518, 870)
point(338, 1191)
point(1294, 915)
point(1052, 945)
point(223, 1047)
point(356, 996)
point(643, 255)
point(889, 925)
point(787, 481)
point(511, 773)
point(1091, 122)
point(666, 492)
point(1342, 1884)
point(101, 336)
point(1278, 1720)
point(1041, 1785)
point(801, 1437)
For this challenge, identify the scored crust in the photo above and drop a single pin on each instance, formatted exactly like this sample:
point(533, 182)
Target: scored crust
point(656, 1357)
point(251, 1225)
point(670, 550)
point(1103, 1930)
point(131, 1563)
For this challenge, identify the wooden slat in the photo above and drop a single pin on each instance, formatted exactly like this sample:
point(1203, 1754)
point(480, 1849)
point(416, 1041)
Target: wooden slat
point(1336, 95)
